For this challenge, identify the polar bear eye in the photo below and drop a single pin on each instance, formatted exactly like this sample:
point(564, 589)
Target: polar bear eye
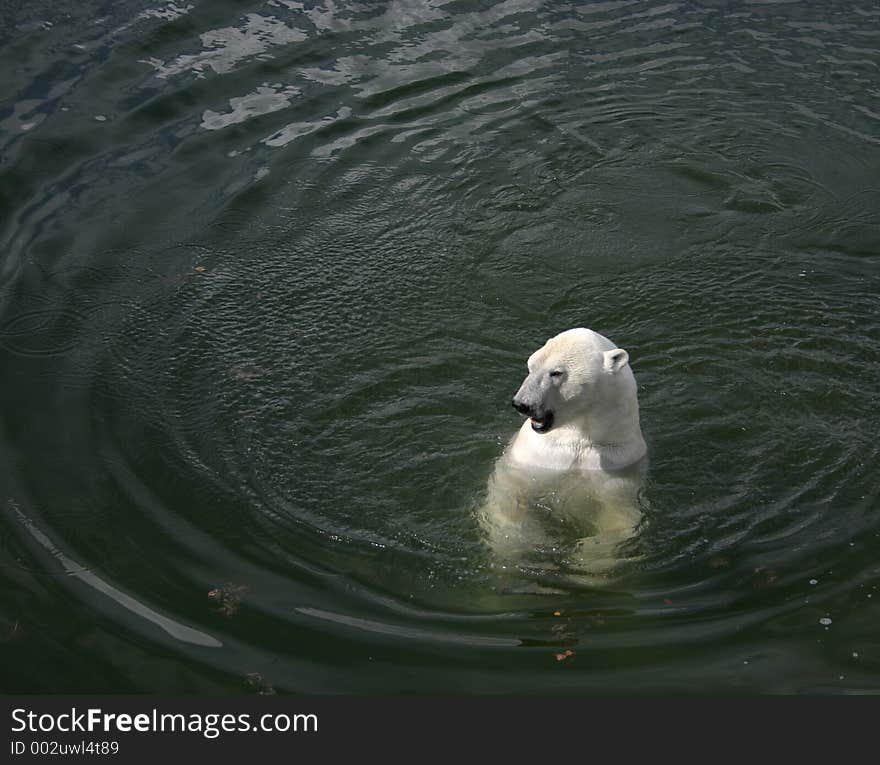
point(556, 373)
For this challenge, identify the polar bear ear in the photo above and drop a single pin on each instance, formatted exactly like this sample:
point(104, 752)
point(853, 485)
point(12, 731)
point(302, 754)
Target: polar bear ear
point(615, 360)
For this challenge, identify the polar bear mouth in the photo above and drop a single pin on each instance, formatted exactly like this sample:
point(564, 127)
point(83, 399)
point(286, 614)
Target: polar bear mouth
point(542, 424)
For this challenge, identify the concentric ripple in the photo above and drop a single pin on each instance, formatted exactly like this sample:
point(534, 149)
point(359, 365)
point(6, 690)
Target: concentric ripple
point(270, 275)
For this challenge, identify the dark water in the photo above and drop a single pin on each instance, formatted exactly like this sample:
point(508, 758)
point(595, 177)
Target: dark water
point(269, 276)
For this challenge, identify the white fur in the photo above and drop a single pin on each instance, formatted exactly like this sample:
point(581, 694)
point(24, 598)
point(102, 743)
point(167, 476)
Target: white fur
point(595, 406)
point(585, 468)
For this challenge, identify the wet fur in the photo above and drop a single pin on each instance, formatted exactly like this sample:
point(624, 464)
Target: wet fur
point(585, 472)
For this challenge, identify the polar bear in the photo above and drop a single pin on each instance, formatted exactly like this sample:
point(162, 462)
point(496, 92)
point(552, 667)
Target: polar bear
point(576, 463)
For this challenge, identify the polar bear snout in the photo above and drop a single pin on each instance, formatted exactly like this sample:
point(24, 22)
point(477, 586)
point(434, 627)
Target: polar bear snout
point(541, 417)
point(520, 406)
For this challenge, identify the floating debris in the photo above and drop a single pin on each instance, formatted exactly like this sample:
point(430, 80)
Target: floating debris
point(825, 621)
point(256, 682)
point(564, 655)
point(15, 632)
point(814, 581)
point(763, 576)
point(719, 561)
point(228, 597)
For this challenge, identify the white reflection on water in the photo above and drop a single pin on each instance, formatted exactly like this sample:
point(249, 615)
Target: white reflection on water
point(225, 47)
point(77, 570)
point(294, 130)
point(168, 12)
point(414, 633)
point(264, 100)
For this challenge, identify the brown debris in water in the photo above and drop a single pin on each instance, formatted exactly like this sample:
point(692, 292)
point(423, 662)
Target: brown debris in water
point(256, 682)
point(763, 577)
point(228, 598)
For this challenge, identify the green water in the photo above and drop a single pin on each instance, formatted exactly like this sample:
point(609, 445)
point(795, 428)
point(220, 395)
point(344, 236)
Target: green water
point(269, 276)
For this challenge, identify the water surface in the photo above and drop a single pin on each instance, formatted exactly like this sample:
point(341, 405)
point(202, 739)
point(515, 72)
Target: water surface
point(269, 275)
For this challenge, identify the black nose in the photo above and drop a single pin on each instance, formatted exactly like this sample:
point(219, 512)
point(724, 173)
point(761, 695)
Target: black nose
point(519, 406)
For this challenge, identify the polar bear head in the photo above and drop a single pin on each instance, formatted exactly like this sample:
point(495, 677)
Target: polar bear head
point(577, 378)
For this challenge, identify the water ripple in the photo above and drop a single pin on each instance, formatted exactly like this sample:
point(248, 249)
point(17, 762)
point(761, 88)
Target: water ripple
point(269, 278)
